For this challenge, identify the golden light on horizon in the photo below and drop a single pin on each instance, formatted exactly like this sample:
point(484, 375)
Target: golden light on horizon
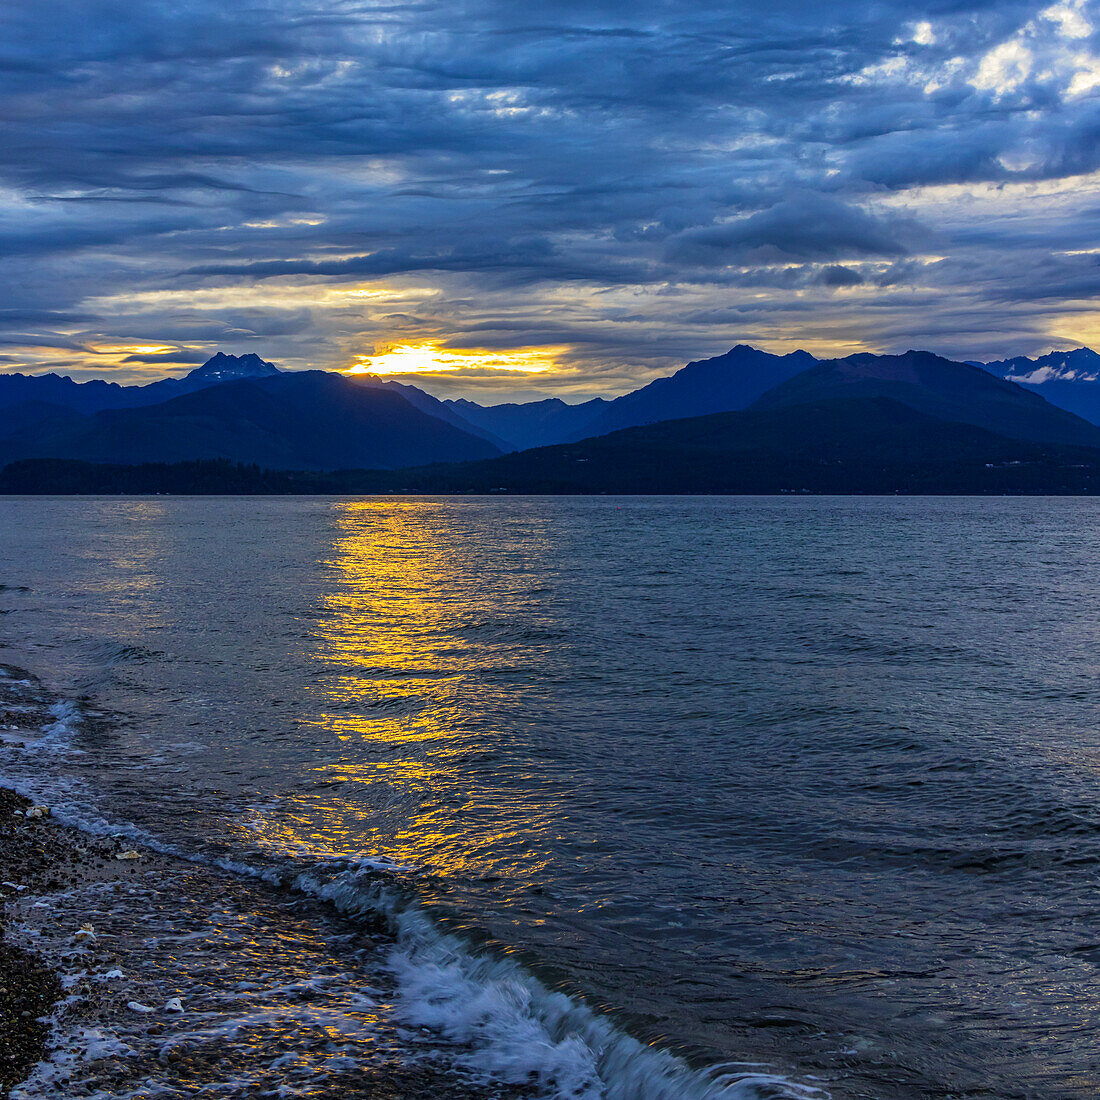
point(1076, 328)
point(132, 349)
point(430, 357)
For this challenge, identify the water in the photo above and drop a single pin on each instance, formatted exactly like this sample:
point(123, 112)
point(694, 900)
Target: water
point(803, 784)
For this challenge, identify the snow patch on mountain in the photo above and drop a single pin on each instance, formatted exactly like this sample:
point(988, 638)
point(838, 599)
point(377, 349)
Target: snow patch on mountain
point(1079, 365)
point(1061, 372)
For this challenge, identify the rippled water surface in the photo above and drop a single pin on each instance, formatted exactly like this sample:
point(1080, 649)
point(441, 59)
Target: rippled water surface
point(807, 782)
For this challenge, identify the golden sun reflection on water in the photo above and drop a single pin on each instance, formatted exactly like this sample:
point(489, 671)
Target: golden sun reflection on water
point(401, 643)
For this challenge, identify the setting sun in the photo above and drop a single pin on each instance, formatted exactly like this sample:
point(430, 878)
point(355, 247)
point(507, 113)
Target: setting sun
point(429, 357)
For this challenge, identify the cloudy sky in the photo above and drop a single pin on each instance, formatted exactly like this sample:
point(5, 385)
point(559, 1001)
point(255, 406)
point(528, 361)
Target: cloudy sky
point(548, 196)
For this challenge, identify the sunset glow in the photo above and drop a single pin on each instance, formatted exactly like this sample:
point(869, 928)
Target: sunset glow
point(429, 357)
point(131, 349)
point(498, 208)
point(564, 536)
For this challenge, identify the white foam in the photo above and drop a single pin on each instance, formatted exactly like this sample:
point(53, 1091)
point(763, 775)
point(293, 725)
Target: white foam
point(515, 1029)
point(58, 735)
point(68, 798)
point(68, 1051)
point(509, 1025)
point(327, 1017)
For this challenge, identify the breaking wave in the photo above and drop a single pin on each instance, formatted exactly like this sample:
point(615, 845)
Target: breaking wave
point(504, 1023)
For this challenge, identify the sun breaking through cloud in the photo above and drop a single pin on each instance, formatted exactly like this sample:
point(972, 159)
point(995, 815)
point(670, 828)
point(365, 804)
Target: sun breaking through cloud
point(430, 358)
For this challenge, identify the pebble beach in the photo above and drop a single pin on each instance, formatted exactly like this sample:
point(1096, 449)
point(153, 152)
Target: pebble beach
point(129, 973)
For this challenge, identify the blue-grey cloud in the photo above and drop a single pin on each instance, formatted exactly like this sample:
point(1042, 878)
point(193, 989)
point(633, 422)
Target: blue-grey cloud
point(638, 184)
point(804, 227)
point(159, 357)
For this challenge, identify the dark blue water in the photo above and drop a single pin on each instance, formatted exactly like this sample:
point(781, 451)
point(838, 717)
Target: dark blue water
point(809, 782)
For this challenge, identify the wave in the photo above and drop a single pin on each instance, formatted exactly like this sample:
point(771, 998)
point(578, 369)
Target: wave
point(109, 654)
point(505, 1024)
point(514, 1028)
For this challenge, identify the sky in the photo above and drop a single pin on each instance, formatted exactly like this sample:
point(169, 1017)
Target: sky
point(504, 200)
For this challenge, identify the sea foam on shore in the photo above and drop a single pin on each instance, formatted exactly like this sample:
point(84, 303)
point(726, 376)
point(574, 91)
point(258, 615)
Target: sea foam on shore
point(316, 982)
point(277, 994)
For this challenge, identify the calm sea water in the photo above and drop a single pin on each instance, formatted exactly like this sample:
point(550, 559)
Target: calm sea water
point(806, 782)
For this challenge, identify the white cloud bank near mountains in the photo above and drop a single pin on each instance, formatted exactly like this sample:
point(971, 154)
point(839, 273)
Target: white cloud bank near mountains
point(616, 188)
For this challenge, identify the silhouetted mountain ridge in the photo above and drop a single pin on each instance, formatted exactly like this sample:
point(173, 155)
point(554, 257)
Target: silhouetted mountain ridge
point(225, 368)
point(1079, 365)
point(852, 445)
point(725, 383)
point(426, 403)
point(293, 420)
point(1068, 379)
point(244, 409)
point(531, 423)
point(96, 395)
point(940, 388)
point(861, 444)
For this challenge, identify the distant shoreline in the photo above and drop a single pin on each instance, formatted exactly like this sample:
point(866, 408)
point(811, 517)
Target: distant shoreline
point(621, 464)
point(219, 477)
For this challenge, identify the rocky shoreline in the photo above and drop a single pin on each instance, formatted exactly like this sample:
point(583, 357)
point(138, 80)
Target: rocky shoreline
point(28, 988)
point(124, 972)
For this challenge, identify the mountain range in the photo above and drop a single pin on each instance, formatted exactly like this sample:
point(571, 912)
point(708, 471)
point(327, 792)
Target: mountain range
point(745, 421)
point(846, 445)
point(1068, 379)
point(240, 409)
point(89, 397)
point(722, 384)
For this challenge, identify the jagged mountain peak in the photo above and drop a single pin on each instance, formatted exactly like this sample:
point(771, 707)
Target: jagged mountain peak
point(222, 367)
point(1075, 365)
point(933, 385)
point(1078, 365)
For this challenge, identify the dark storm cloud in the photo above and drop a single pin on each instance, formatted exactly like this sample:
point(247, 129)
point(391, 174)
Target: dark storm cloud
point(804, 227)
point(179, 171)
point(21, 318)
point(837, 275)
point(166, 357)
